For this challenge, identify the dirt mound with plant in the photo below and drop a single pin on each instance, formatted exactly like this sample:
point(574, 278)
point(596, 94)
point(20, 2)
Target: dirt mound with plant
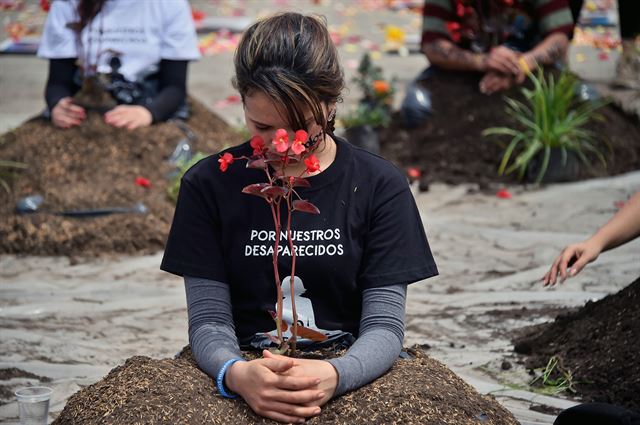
point(449, 146)
point(598, 344)
point(417, 390)
point(96, 166)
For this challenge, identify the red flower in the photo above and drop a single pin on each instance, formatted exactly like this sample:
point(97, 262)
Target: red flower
point(298, 142)
point(281, 142)
point(312, 164)
point(142, 182)
point(225, 160)
point(257, 144)
point(45, 5)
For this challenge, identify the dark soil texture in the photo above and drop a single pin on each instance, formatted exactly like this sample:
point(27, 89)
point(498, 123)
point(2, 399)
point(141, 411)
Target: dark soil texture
point(96, 166)
point(417, 390)
point(598, 344)
point(449, 146)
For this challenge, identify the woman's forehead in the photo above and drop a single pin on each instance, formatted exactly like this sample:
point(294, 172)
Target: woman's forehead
point(261, 108)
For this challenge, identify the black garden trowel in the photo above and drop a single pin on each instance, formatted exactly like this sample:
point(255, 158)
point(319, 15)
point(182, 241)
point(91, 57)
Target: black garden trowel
point(31, 204)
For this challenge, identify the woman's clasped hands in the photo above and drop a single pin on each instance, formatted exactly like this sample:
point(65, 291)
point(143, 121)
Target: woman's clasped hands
point(281, 388)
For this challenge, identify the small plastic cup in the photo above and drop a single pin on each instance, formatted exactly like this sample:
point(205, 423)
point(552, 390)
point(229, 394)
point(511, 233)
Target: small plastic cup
point(33, 405)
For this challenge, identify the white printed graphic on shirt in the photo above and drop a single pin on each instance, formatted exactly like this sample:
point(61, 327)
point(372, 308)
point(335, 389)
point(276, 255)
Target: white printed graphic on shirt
point(304, 308)
point(306, 243)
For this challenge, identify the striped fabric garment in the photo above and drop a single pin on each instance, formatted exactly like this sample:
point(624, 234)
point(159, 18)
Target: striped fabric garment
point(459, 20)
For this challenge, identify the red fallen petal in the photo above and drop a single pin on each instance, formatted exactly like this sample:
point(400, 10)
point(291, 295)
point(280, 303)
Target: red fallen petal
point(142, 182)
point(197, 15)
point(274, 191)
point(603, 56)
point(233, 99)
point(414, 173)
point(255, 189)
point(504, 194)
point(305, 206)
point(619, 204)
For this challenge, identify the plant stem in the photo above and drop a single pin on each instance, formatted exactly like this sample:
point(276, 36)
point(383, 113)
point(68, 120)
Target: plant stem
point(294, 325)
point(276, 219)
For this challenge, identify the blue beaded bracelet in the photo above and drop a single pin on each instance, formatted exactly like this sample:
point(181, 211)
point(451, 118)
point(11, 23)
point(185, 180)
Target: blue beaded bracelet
point(220, 379)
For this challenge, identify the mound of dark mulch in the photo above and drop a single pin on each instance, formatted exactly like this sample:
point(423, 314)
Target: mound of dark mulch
point(598, 343)
point(95, 166)
point(418, 390)
point(449, 147)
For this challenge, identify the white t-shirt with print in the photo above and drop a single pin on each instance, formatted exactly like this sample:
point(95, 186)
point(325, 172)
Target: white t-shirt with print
point(142, 31)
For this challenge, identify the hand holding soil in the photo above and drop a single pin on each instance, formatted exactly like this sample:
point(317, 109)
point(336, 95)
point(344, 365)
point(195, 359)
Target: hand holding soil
point(494, 81)
point(503, 60)
point(66, 115)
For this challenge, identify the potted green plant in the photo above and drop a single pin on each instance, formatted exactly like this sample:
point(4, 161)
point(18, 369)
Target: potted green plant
point(374, 108)
point(550, 136)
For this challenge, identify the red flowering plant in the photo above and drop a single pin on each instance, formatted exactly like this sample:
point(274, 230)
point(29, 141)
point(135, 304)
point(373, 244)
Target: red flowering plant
point(280, 190)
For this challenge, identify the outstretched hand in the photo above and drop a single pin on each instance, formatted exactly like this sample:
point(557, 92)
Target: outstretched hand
point(576, 256)
point(273, 393)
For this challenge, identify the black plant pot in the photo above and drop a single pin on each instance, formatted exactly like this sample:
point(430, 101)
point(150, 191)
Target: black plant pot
point(557, 171)
point(365, 137)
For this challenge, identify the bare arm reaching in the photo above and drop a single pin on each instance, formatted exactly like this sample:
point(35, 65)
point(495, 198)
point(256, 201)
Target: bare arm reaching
point(623, 227)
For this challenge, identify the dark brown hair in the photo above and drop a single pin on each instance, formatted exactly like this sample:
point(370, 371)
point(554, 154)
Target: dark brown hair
point(87, 10)
point(291, 58)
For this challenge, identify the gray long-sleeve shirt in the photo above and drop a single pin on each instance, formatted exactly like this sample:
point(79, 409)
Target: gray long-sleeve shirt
point(213, 338)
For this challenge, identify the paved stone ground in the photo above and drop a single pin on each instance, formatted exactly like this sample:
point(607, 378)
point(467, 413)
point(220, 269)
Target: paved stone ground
point(73, 323)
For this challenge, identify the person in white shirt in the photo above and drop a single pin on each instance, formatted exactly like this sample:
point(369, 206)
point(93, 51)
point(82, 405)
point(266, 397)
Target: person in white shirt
point(144, 45)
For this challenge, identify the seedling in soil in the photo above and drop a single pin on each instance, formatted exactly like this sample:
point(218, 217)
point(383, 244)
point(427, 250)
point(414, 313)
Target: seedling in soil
point(554, 378)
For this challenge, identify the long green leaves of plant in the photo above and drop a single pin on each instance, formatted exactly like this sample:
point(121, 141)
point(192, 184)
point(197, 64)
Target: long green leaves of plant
point(550, 117)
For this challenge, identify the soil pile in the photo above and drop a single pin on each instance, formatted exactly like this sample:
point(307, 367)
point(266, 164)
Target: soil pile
point(449, 146)
point(417, 390)
point(96, 166)
point(598, 344)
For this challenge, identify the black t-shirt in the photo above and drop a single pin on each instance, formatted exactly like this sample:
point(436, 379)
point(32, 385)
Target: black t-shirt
point(368, 234)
